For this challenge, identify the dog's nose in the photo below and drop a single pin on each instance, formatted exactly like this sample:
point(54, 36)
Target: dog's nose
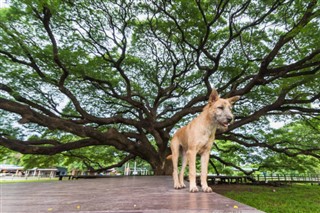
point(229, 119)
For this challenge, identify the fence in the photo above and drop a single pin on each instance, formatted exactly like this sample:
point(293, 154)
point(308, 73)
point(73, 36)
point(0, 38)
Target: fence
point(263, 179)
point(311, 178)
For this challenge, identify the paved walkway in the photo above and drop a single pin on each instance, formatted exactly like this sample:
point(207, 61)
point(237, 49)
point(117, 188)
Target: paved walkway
point(121, 194)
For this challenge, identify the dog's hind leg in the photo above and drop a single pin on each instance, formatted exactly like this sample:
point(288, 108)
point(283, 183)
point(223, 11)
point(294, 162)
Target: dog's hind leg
point(183, 167)
point(175, 157)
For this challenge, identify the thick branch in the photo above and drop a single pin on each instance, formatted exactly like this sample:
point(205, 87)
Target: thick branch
point(37, 147)
point(291, 152)
point(231, 164)
point(26, 101)
point(119, 164)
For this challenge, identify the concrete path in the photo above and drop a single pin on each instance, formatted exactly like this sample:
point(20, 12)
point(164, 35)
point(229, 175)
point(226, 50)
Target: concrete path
point(120, 194)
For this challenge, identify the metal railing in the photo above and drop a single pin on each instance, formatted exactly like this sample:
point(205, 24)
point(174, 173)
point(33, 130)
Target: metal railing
point(310, 178)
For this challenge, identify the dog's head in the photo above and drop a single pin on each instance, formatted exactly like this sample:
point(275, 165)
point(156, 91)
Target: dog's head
point(220, 109)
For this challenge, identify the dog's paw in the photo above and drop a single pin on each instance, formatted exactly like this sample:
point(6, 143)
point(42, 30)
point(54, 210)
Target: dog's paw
point(183, 185)
point(194, 189)
point(179, 186)
point(207, 189)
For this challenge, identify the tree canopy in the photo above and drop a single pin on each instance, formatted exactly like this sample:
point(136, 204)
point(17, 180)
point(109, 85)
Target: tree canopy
point(127, 74)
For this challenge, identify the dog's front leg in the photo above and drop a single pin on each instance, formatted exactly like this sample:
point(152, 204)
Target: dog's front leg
point(191, 154)
point(204, 171)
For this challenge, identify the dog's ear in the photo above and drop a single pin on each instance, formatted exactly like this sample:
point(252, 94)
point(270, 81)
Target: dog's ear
point(214, 96)
point(233, 99)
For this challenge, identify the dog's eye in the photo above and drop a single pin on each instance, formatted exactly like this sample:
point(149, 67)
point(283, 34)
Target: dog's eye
point(221, 107)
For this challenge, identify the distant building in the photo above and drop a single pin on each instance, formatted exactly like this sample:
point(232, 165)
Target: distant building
point(8, 169)
point(42, 172)
point(11, 169)
point(47, 172)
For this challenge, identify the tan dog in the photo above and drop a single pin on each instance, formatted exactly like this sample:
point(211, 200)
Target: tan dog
point(197, 137)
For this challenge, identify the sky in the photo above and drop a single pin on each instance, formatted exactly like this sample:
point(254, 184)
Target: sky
point(4, 3)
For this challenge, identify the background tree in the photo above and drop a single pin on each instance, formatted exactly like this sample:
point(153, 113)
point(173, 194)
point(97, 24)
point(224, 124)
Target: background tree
point(292, 148)
point(126, 73)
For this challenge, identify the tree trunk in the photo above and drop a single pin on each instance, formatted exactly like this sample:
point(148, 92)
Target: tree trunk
point(162, 167)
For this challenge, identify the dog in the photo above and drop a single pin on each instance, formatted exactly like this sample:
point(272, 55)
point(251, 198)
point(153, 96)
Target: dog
point(197, 137)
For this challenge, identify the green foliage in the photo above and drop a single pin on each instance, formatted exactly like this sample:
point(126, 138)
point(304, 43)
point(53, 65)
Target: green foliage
point(82, 159)
point(297, 136)
point(8, 156)
point(291, 142)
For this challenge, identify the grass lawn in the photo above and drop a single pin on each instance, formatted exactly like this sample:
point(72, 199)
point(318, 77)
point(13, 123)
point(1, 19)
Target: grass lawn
point(295, 198)
point(30, 180)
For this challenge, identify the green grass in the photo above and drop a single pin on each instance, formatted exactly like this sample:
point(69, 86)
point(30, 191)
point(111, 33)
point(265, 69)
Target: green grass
point(28, 180)
point(295, 198)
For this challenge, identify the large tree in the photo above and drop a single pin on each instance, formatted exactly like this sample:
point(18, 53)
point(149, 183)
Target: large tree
point(127, 73)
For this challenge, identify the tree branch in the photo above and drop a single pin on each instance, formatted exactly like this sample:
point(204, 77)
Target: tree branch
point(119, 164)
